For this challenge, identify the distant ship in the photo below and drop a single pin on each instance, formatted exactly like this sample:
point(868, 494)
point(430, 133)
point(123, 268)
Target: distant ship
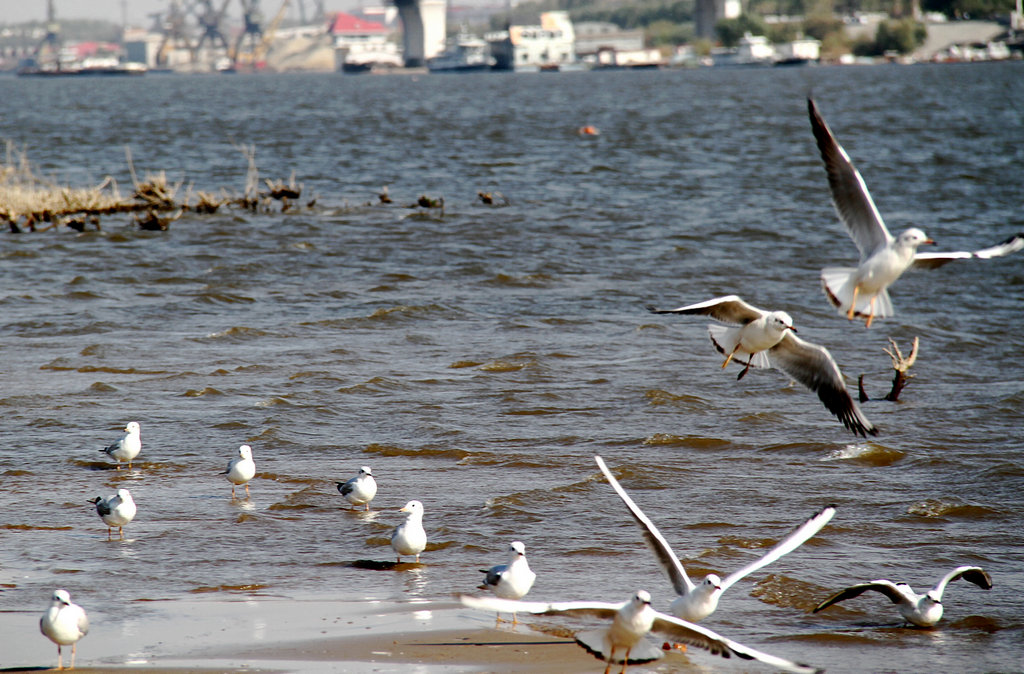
point(465, 53)
point(90, 66)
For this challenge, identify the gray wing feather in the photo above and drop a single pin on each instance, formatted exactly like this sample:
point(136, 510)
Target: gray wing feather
point(935, 260)
point(494, 574)
point(812, 366)
point(791, 542)
point(886, 587)
point(729, 309)
point(850, 195)
point(596, 609)
point(655, 541)
point(701, 637)
point(972, 574)
point(347, 488)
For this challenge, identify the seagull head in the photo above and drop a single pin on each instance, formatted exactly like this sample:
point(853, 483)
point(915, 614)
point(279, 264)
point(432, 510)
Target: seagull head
point(933, 596)
point(365, 470)
point(62, 597)
point(642, 598)
point(517, 548)
point(132, 427)
point(245, 452)
point(124, 495)
point(412, 507)
point(712, 582)
point(781, 321)
point(913, 238)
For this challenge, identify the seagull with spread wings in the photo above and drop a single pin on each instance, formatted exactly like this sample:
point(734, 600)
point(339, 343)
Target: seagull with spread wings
point(766, 339)
point(923, 610)
point(623, 641)
point(696, 601)
point(863, 290)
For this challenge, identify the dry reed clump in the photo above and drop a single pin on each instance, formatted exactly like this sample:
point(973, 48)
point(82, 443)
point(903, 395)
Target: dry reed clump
point(31, 202)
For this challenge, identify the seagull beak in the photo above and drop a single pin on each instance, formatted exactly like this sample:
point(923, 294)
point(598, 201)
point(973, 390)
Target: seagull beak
point(793, 328)
point(930, 241)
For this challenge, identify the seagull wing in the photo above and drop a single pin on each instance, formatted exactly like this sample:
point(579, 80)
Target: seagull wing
point(850, 195)
point(103, 507)
point(347, 487)
point(972, 574)
point(597, 609)
point(83, 621)
point(812, 366)
point(494, 574)
point(728, 309)
point(655, 541)
point(886, 587)
point(688, 633)
point(795, 539)
point(935, 260)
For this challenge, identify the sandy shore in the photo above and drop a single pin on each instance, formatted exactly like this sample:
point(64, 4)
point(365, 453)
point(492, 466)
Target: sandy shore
point(268, 634)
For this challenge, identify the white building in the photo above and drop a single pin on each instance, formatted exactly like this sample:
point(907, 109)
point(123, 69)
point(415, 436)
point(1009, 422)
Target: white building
point(550, 45)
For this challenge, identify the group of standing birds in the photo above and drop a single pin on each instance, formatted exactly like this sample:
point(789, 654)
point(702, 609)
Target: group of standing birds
point(765, 339)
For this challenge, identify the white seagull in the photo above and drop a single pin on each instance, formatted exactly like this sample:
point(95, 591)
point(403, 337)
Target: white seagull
point(241, 469)
point(128, 447)
point(511, 580)
point(923, 610)
point(862, 291)
point(694, 602)
point(116, 510)
point(409, 538)
point(766, 339)
point(361, 489)
point(64, 623)
point(623, 641)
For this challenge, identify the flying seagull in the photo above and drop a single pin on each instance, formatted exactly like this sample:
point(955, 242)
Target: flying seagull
point(623, 641)
point(127, 447)
point(64, 623)
point(862, 291)
point(511, 580)
point(694, 602)
point(767, 339)
point(241, 469)
point(923, 610)
point(361, 489)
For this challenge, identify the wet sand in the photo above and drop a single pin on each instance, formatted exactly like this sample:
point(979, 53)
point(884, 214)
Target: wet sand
point(268, 634)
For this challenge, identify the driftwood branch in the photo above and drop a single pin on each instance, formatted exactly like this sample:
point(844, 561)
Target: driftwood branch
point(900, 365)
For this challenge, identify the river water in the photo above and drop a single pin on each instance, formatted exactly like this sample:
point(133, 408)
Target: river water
point(477, 358)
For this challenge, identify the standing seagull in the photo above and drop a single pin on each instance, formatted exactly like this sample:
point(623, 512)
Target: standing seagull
point(64, 623)
point(361, 489)
point(128, 447)
point(241, 469)
point(511, 580)
point(631, 622)
point(116, 510)
point(409, 538)
point(862, 291)
point(754, 334)
point(696, 602)
point(923, 610)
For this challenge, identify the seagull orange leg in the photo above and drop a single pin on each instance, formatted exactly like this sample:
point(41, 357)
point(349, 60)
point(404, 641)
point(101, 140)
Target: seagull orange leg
point(729, 357)
point(625, 661)
point(871, 311)
point(853, 304)
point(611, 654)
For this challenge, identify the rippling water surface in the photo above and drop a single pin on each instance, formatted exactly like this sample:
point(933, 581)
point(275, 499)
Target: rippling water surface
point(478, 358)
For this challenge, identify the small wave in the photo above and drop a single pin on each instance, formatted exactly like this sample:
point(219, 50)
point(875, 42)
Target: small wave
point(659, 397)
point(224, 298)
point(867, 453)
point(786, 592)
point(116, 370)
point(393, 450)
point(207, 391)
point(250, 589)
point(459, 364)
point(689, 441)
point(375, 385)
point(525, 281)
point(30, 527)
point(512, 363)
point(237, 333)
point(951, 508)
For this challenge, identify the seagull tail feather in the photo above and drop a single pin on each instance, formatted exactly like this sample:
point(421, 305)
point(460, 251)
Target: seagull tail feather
point(838, 283)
